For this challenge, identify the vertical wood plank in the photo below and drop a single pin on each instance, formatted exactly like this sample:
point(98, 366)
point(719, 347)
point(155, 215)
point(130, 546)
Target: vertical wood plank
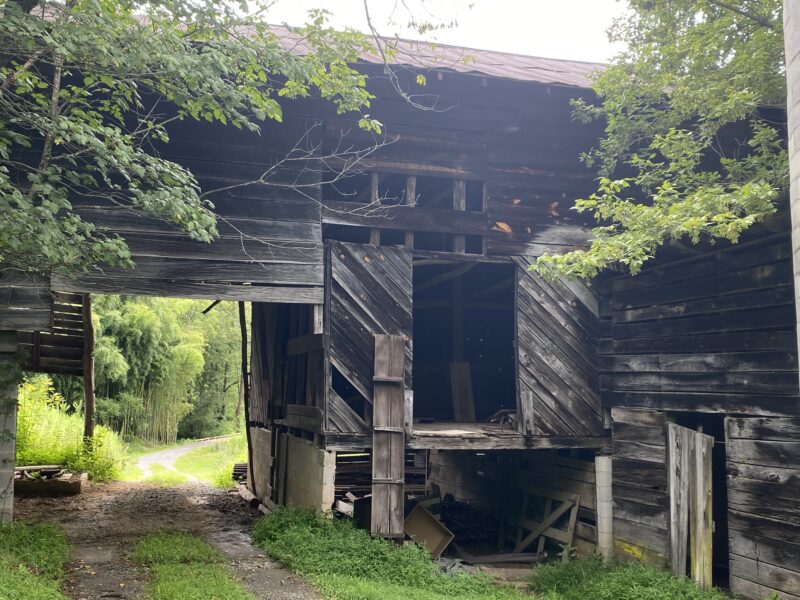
point(461, 389)
point(679, 481)
point(388, 437)
point(317, 319)
point(526, 413)
point(88, 368)
point(460, 204)
point(410, 200)
point(8, 424)
point(374, 200)
point(701, 509)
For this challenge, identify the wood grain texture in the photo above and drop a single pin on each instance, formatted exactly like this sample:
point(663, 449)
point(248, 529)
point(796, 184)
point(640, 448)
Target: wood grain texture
point(763, 514)
point(639, 485)
point(368, 293)
point(557, 356)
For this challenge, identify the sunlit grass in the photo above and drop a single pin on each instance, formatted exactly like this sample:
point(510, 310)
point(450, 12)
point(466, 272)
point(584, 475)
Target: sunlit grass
point(184, 567)
point(214, 463)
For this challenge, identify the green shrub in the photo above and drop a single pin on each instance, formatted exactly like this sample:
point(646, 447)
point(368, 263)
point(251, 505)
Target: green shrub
point(591, 580)
point(47, 433)
point(347, 563)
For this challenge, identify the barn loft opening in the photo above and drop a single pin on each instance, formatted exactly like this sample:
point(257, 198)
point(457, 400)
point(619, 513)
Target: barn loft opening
point(463, 340)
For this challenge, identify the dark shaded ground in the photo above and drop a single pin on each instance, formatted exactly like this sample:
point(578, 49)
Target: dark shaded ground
point(104, 522)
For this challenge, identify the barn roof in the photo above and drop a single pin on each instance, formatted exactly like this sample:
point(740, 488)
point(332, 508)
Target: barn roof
point(426, 55)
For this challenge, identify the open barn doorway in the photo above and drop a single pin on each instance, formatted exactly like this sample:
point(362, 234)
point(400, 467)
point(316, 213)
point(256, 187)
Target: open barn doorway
point(463, 313)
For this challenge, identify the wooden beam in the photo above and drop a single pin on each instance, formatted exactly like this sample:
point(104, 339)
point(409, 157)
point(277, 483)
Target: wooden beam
point(374, 201)
point(245, 390)
point(411, 199)
point(88, 369)
point(8, 425)
point(460, 205)
point(388, 437)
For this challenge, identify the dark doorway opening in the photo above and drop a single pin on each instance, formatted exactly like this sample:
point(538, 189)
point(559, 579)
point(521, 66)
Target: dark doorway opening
point(463, 340)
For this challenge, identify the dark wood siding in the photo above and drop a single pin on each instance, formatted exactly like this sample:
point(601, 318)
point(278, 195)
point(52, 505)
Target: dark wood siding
point(763, 509)
point(369, 292)
point(269, 247)
point(639, 472)
point(711, 334)
point(556, 330)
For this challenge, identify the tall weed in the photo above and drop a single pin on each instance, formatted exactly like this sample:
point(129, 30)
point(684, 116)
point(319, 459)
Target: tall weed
point(47, 433)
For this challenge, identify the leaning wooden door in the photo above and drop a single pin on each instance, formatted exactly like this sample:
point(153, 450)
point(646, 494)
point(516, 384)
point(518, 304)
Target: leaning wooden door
point(690, 502)
point(557, 359)
point(368, 293)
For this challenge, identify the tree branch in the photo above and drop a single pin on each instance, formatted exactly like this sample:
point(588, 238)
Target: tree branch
point(764, 22)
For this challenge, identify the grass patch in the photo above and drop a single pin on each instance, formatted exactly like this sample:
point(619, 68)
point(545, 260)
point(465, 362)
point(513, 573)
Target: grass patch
point(161, 475)
point(214, 463)
point(591, 580)
point(174, 548)
point(346, 563)
point(184, 567)
point(32, 558)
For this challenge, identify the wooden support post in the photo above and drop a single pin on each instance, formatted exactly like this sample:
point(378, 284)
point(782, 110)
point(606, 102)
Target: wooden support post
point(88, 369)
point(460, 204)
point(8, 422)
point(410, 200)
point(374, 201)
point(526, 416)
point(245, 394)
point(388, 437)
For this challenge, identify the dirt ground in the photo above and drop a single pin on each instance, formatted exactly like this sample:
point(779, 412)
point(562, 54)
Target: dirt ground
point(104, 522)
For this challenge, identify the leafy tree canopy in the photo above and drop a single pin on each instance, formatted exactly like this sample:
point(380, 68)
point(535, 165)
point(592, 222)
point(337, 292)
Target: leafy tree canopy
point(87, 85)
point(675, 161)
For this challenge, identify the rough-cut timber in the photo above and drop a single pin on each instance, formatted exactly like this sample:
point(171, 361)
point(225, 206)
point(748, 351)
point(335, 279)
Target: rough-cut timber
point(639, 471)
point(369, 293)
point(8, 423)
point(714, 333)
point(388, 437)
point(557, 331)
point(763, 509)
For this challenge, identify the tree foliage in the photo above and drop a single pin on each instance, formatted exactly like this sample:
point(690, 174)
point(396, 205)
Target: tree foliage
point(691, 148)
point(87, 86)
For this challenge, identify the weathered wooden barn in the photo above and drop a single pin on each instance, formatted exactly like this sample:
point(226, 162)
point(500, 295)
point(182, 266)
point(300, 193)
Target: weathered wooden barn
point(401, 345)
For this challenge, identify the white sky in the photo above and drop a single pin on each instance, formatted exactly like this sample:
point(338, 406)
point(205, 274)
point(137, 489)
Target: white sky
point(572, 29)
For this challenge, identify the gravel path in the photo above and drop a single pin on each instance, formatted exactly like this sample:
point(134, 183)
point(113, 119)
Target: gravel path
point(167, 457)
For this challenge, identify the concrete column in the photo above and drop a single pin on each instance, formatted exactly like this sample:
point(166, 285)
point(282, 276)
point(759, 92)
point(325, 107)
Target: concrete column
point(605, 510)
point(8, 422)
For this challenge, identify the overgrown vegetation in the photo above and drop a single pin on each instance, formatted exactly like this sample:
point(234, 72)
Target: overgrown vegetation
point(48, 433)
point(591, 580)
point(184, 566)
point(346, 563)
point(32, 558)
point(214, 463)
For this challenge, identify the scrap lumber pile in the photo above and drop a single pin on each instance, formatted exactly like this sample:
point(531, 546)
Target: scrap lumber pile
point(47, 480)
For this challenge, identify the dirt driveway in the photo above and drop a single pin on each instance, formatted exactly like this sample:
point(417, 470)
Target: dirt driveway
point(103, 523)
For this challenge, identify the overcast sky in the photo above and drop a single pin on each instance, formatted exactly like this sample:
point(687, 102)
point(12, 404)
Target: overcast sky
point(573, 29)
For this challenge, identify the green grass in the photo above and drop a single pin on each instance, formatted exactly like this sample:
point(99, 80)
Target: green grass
point(214, 463)
point(346, 563)
point(32, 558)
point(161, 475)
point(184, 567)
point(591, 580)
